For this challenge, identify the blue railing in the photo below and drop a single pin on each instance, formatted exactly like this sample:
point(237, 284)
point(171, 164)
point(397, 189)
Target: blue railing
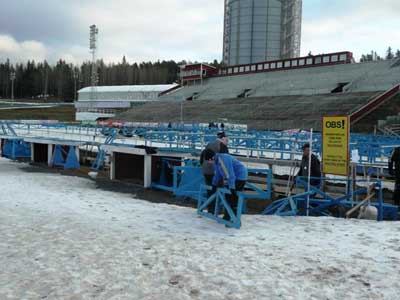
point(191, 138)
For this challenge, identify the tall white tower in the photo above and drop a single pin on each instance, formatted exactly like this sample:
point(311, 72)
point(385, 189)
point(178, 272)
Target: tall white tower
point(261, 30)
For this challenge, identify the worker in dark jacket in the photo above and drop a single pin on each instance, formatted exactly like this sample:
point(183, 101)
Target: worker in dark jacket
point(212, 148)
point(234, 173)
point(220, 145)
point(315, 167)
point(394, 161)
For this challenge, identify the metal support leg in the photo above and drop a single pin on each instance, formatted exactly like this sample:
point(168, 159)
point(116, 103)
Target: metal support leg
point(147, 171)
point(49, 154)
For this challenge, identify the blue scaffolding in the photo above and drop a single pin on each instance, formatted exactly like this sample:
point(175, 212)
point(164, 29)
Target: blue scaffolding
point(188, 182)
point(111, 134)
point(315, 202)
point(220, 204)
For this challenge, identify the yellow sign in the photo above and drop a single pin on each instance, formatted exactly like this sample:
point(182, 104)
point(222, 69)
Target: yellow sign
point(335, 145)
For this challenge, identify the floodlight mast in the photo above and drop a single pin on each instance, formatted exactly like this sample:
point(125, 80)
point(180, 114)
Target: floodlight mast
point(12, 78)
point(94, 31)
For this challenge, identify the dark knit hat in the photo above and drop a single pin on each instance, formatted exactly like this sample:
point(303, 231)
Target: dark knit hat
point(307, 145)
point(221, 134)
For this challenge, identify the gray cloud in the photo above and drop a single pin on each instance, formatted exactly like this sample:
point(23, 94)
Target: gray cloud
point(144, 30)
point(26, 50)
point(140, 29)
point(49, 21)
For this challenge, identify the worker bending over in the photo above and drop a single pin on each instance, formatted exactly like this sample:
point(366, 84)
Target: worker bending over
point(234, 175)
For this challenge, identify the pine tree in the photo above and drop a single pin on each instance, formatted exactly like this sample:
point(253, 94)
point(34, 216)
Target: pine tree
point(389, 53)
point(39, 80)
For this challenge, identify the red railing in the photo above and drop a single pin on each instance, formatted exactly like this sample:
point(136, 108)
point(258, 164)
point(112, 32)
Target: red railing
point(193, 72)
point(374, 104)
point(288, 64)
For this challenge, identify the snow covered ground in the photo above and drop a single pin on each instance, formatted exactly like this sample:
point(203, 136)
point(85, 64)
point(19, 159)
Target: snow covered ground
point(61, 238)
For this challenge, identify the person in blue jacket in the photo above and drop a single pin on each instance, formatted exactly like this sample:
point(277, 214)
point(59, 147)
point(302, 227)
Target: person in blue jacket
point(233, 173)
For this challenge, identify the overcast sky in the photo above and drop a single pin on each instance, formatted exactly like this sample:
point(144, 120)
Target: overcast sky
point(148, 30)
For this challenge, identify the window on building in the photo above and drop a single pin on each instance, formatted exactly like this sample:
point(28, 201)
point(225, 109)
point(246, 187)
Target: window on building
point(309, 61)
point(287, 64)
point(302, 62)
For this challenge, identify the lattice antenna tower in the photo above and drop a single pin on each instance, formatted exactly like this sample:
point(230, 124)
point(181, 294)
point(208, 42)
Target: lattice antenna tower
point(94, 79)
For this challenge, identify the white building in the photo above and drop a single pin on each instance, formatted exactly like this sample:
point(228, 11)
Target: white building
point(107, 101)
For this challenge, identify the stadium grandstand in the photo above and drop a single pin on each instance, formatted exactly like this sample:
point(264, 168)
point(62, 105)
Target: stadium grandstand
point(106, 101)
point(282, 94)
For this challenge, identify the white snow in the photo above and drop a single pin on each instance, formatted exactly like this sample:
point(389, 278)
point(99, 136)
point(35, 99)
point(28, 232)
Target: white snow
point(61, 238)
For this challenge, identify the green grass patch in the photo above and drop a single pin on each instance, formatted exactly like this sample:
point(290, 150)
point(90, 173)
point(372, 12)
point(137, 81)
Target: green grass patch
point(60, 113)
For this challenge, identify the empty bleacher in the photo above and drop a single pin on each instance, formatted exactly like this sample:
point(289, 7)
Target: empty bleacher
point(278, 100)
point(360, 77)
point(275, 113)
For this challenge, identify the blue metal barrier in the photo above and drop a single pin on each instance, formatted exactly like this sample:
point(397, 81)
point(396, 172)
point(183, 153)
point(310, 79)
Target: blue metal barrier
point(322, 203)
point(66, 159)
point(251, 191)
point(286, 206)
point(16, 148)
point(218, 199)
point(188, 179)
point(169, 176)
